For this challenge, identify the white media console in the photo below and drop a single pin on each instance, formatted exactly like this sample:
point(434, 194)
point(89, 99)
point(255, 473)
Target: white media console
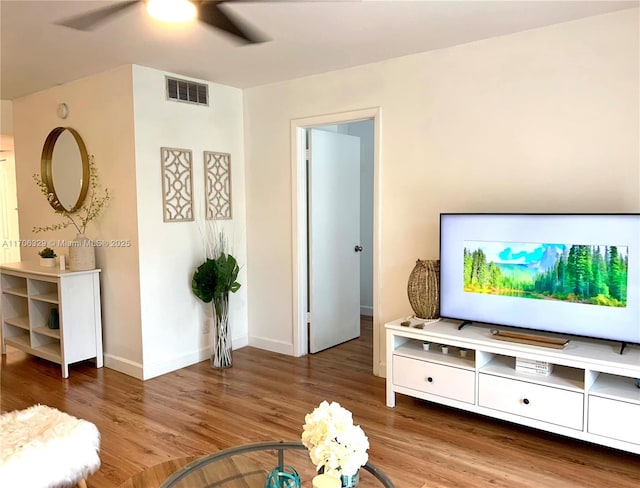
point(590, 393)
point(30, 292)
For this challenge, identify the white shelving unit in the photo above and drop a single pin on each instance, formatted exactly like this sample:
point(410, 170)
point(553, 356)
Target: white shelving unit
point(589, 395)
point(30, 291)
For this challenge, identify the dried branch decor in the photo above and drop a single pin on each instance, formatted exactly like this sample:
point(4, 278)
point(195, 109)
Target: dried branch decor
point(96, 201)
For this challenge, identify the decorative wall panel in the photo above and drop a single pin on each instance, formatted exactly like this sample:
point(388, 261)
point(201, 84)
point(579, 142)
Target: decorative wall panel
point(177, 184)
point(217, 171)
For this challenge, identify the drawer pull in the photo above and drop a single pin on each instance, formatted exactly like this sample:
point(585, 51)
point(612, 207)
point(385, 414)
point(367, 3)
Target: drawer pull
point(430, 379)
point(525, 401)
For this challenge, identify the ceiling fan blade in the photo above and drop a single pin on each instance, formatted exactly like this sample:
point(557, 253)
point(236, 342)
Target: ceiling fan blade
point(92, 19)
point(211, 14)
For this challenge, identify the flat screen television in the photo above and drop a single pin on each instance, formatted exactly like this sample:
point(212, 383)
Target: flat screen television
point(575, 274)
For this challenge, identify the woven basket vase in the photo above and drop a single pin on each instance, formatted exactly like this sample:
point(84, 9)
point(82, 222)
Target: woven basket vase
point(423, 289)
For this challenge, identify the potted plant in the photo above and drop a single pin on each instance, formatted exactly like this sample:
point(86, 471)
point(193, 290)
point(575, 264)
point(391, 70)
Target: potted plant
point(211, 283)
point(47, 257)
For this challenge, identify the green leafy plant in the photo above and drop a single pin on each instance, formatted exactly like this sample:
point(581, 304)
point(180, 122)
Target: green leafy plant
point(215, 278)
point(47, 252)
point(212, 282)
point(94, 204)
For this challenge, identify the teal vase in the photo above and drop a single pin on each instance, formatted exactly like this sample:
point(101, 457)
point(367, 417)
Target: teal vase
point(53, 322)
point(283, 477)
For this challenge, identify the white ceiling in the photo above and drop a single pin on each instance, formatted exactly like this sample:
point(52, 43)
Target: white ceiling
point(307, 37)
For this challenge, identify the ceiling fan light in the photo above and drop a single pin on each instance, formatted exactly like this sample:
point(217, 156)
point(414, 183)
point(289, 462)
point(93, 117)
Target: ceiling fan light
point(174, 11)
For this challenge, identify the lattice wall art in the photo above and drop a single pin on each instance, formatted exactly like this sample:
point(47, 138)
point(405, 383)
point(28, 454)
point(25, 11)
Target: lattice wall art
point(177, 185)
point(217, 185)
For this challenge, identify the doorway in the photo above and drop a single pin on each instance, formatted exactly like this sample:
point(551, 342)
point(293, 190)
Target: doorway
point(9, 232)
point(363, 126)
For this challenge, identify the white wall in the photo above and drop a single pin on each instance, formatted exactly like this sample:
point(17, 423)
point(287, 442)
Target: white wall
point(101, 110)
point(543, 120)
point(173, 321)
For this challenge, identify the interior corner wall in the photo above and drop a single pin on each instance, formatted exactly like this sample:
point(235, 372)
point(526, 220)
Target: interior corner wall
point(101, 110)
point(175, 323)
point(6, 117)
point(545, 120)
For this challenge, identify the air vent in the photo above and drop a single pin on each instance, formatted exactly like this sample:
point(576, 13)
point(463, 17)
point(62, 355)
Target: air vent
point(187, 91)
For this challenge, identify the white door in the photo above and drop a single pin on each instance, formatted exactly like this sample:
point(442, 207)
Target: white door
point(334, 238)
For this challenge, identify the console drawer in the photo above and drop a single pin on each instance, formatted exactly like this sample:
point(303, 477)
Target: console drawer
point(436, 379)
point(545, 403)
point(614, 419)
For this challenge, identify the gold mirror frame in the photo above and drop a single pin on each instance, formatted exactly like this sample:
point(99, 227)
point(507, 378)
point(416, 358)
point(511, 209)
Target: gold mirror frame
point(46, 167)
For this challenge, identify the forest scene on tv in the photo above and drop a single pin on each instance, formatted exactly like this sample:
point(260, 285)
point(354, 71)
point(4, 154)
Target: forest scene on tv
point(590, 274)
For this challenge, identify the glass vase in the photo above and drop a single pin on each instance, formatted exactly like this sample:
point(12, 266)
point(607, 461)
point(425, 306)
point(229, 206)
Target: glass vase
point(350, 481)
point(345, 481)
point(220, 346)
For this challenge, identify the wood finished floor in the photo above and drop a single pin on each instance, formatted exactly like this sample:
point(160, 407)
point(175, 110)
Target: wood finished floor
point(265, 396)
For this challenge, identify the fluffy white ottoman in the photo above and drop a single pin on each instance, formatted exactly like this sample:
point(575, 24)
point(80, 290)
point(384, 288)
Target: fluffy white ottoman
point(41, 447)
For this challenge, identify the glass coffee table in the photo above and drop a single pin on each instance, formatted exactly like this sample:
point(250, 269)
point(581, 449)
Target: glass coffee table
point(248, 467)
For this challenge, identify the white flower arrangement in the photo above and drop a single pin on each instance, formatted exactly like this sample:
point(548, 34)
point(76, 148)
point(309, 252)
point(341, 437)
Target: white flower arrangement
point(333, 441)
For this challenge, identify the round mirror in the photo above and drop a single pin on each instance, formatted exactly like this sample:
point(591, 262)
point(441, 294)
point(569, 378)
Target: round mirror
point(65, 168)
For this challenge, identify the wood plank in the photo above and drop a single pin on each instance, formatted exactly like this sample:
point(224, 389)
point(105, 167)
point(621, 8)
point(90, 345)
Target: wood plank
point(531, 339)
point(154, 476)
point(530, 342)
point(265, 396)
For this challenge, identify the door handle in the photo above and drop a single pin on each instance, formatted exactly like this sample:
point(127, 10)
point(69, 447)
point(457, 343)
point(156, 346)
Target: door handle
point(358, 249)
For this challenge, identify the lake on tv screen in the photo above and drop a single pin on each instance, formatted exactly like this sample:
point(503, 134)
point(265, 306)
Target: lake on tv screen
point(576, 273)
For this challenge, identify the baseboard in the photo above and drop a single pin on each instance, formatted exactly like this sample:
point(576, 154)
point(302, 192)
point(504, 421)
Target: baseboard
point(366, 310)
point(148, 371)
point(241, 342)
point(382, 370)
point(271, 345)
point(123, 365)
point(179, 362)
point(168, 365)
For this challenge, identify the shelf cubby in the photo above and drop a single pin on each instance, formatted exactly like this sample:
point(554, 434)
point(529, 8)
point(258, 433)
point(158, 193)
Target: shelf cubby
point(616, 387)
point(560, 377)
point(413, 349)
point(21, 321)
point(39, 312)
point(44, 291)
point(46, 331)
point(14, 285)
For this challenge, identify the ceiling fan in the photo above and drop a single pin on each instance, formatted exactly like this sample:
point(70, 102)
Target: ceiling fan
point(206, 11)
